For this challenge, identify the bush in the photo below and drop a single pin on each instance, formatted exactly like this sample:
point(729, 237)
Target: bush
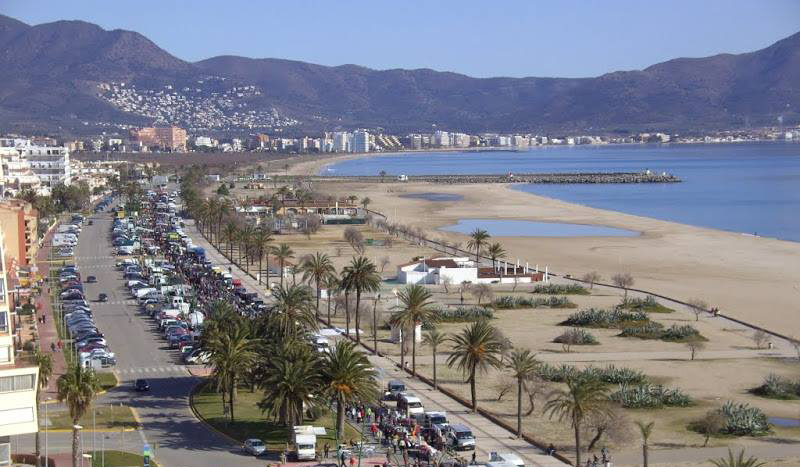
point(509, 302)
point(743, 420)
point(28, 346)
point(556, 289)
point(651, 330)
point(555, 374)
point(649, 396)
point(609, 374)
point(648, 304)
point(597, 318)
point(576, 336)
point(778, 387)
point(463, 314)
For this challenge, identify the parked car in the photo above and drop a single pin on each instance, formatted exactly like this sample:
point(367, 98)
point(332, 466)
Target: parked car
point(91, 279)
point(254, 447)
point(102, 297)
point(141, 385)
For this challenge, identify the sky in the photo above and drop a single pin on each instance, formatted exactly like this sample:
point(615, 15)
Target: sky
point(482, 38)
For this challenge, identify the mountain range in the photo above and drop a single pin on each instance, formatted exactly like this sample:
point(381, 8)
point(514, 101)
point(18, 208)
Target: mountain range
point(55, 77)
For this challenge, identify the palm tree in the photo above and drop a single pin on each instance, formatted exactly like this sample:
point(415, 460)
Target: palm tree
point(77, 388)
point(584, 396)
point(476, 349)
point(738, 461)
point(362, 276)
point(45, 364)
point(293, 310)
point(646, 429)
point(523, 365)
point(416, 308)
point(495, 252)
point(283, 252)
point(434, 339)
point(261, 239)
point(317, 268)
point(224, 210)
point(246, 235)
point(290, 384)
point(232, 354)
point(477, 239)
point(331, 284)
point(230, 233)
point(348, 379)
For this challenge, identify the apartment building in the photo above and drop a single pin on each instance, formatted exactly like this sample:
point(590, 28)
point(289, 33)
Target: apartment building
point(172, 138)
point(18, 376)
point(50, 164)
point(19, 224)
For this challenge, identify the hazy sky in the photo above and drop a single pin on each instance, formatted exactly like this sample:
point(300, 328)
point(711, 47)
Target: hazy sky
point(477, 37)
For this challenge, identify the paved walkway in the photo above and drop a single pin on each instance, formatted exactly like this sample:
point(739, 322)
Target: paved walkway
point(490, 437)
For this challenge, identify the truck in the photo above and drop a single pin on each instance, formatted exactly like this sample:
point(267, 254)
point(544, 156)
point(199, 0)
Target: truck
point(305, 441)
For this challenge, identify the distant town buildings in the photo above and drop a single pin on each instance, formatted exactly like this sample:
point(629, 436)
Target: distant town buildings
point(26, 165)
point(170, 138)
point(19, 224)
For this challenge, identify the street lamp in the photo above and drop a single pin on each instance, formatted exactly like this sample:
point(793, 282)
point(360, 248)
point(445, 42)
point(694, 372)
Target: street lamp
point(86, 456)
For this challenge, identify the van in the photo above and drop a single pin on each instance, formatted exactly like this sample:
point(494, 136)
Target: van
point(434, 418)
point(393, 388)
point(409, 405)
point(460, 438)
point(507, 458)
point(305, 442)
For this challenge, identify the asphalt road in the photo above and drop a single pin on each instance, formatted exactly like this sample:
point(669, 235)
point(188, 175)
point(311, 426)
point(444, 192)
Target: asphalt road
point(168, 424)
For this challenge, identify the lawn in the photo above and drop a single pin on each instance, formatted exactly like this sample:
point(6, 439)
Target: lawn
point(106, 417)
point(107, 380)
point(251, 423)
point(117, 459)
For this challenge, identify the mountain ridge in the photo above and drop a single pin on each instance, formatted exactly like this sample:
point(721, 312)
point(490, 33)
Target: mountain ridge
point(50, 73)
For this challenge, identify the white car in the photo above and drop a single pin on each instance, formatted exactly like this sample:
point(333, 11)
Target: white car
point(255, 447)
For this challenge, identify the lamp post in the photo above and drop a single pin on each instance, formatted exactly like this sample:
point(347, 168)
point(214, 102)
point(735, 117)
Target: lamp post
point(46, 424)
point(86, 456)
point(78, 428)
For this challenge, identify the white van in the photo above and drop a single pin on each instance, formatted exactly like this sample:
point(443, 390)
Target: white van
point(410, 405)
point(305, 442)
point(507, 458)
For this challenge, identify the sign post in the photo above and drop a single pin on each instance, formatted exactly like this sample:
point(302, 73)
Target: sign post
point(146, 456)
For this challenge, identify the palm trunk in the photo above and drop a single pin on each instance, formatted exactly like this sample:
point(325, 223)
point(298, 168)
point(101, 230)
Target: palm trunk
point(259, 269)
point(358, 315)
point(402, 349)
point(645, 455)
point(319, 292)
point(266, 261)
point(414, 350)
point(519, 408)
point(339, 421)
point(232, 395)
point(282, 272)
point(76, 438)
point(434, 369)
point(329, 307)
point(472, 392)
point(347, 313)
point(577, 427)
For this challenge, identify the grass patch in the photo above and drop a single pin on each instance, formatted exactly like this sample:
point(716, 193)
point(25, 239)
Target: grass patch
point(106, 417)
point(647, 305)
point(117, 459)
point(251, 423)
point(107, 380)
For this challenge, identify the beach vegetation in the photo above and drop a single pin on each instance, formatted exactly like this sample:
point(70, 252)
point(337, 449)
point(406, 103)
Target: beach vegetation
point(575, 336)
point(743, 420)
point(462, 314)
point(510, 302)
point(624, 281)
point(599, 318)
point(648, 304)
point(778, 387)
point(560, 289)
point(592, 277)
point(649, 396)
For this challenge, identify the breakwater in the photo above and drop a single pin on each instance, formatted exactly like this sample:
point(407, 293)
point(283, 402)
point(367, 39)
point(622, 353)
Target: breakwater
point(538, 178)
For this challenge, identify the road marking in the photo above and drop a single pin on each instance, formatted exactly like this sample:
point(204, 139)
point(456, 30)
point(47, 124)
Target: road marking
point(153, 369)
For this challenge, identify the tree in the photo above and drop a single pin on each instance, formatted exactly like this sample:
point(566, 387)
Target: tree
point(760, 338)
point(365, 202)
point(223, 190)
point(362, 276)
point(348, 379)
point(591, 278)
point(710, 425)
point(583, 396)
point(446, 281)
point(698, 307)
point(45, 364)
point(645, 429)
point(230, 234)
point(232, 354)
point(331, 285)
point(434, 339)
point(282, 253)
point(415, 308)
point(613, 425)
point(311, 225)
point(522, 365)
point(385, 261)
point(315, 269)
point(77, 388)
point(292, 382)
point(293, 310)
point(695, 345)
point(496, 251)
point(477, 239)
point(260, 241)
point(355, 239)
point(475, 350)
point(624, 281)
point(481, 291)
point(738, 461)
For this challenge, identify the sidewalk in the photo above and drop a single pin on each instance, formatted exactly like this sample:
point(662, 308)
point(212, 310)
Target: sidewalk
point(491, 436)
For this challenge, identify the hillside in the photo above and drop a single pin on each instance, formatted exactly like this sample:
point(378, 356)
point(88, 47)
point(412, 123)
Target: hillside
point(51, 73)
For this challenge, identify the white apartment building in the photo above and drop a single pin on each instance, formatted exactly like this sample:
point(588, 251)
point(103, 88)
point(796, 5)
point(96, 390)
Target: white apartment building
point(441, 138)
point(341, 141)
point(360, 141)
point(50, 164)
point(26, 165)
point(18, 377)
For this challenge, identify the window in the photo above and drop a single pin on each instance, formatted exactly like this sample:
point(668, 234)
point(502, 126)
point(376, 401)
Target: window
point(3, 320)
point(16, 383)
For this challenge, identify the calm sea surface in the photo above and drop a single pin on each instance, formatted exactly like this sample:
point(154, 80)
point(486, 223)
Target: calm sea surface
point(751, 188)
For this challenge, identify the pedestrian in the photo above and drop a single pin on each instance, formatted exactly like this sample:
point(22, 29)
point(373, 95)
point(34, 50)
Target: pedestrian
point(604, 454)
point(327, 449)
point(473, 457)
point(341, 457)
point(551, 450)
point(52, 346)
point(352, 461)
point(283, 457)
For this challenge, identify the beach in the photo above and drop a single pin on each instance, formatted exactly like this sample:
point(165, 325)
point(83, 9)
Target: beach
point(751, 278)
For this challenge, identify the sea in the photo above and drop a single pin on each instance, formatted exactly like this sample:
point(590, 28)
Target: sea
point(749, 188)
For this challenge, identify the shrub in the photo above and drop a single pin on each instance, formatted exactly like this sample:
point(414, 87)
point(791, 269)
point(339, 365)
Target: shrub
point(598, 318)
point(28, 346)
point(743, 420)
point(463, 314)
point(576, 336)
point(680, 333)
point(778, 387)
point(509, 302)
point(555, 374)
point(648, 304)
point(558, 289)
point(651, 330)
point(649, 396)
point(609, 374)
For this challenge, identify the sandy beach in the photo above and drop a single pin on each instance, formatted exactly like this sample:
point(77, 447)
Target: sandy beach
point(751, 278)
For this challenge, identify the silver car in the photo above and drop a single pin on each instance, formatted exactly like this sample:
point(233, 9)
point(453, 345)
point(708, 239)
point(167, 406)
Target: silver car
point(255, 447)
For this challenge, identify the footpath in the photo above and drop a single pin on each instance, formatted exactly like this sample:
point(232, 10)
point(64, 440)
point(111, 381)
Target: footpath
point(490, 437)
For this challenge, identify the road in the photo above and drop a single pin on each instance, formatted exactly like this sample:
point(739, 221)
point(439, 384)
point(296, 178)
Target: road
point(168, 424)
